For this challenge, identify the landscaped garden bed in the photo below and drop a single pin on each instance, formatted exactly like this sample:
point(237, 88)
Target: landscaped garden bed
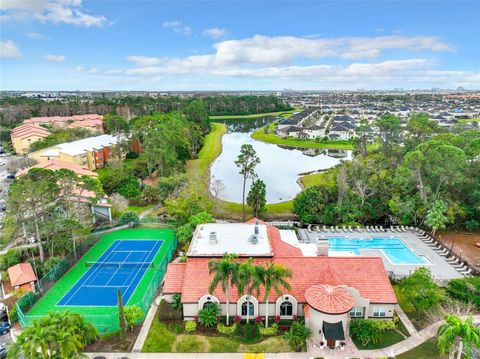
point(169, 333)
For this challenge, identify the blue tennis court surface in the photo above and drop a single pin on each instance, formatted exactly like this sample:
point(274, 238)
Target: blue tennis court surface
point(121, 266)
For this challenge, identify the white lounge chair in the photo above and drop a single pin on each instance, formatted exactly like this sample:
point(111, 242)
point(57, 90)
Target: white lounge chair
point(324, 228)
point(467, 272)
point(309, 228)
point(337, 229)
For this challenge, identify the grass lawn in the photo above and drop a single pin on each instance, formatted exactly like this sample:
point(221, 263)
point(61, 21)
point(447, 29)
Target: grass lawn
point(271, 137)
point(426, 350)
point(279, 113)
point(388, 338)
point(161, 340)
point(139, 209)
point(317, 178)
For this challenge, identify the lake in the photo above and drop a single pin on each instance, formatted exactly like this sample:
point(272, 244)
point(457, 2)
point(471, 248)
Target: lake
point(280, 167)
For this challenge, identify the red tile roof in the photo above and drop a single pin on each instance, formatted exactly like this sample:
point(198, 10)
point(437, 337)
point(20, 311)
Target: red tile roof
point(329, 299)
point(24, 131)
point(20, 274)
point(55, 165)
point(366, 274)
point(175, 274)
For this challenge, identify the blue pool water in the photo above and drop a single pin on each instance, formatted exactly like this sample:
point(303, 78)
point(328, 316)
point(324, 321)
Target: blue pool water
point(393, 248)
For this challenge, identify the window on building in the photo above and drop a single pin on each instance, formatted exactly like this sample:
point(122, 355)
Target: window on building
point(356, 312)
point(207, 304)
point(251, 308)
point(379, 312)
point(286, 308)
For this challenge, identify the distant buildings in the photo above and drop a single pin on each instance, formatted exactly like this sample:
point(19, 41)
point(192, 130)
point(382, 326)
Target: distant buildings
point(37, 128)
point(24, 135)
point(92, 152)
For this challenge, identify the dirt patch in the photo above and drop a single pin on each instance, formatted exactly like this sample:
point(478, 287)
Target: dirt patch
point(151, 180)
point(463, 243)
point(111, 344)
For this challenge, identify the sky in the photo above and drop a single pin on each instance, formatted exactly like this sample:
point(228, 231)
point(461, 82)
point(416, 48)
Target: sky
point(238, 45)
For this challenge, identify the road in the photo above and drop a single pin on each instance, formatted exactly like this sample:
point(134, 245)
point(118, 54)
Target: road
point(4, 184)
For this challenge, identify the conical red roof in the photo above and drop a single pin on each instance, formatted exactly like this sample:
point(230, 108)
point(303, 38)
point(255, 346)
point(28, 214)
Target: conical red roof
point(329, 299)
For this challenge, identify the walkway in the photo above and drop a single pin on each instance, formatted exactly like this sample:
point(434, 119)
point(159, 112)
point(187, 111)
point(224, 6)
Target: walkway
point(405, 320)
point(147, 323)
point(350, 351)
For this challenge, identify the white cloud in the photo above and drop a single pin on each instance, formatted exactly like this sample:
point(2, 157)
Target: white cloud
point(216, 33)
point(54, 11)
point(35, 35)
point(9, 50)
point(283, 50)
point(177, 26)
point(54, 58)
point(144, 60)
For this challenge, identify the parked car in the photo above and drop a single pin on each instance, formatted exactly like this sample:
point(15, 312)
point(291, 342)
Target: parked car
point(11, 176)
point(3, 351)
point(2, 208)
point(5, 328)
point(3, 316)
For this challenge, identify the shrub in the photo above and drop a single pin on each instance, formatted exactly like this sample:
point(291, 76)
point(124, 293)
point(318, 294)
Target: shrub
point(272, 330)
point(208, 316)
point(465, 289)
point(228, 330)
point(276, 319)
point(167, 313)
point(297, 335)
point(150, 194)
point(190, 326)
point(13, 314)
point(237, 319)
point(258, 319)
point(129, 217)
point(366, 330)
point(177, 302)
point(131, 155)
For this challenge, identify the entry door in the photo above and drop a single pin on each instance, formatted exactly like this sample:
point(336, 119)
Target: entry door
point(331, 343)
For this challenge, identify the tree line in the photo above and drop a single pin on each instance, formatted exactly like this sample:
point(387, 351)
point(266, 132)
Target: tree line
point(418, 176)
point(15, 109)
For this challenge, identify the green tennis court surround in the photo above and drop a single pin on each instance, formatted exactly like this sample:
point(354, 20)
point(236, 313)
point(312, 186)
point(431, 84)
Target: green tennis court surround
point(104, 317)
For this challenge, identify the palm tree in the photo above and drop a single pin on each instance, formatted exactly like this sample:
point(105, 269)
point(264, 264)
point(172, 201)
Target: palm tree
point(249, 280)
point(467, 334)
point(274, 276)
point(224, 272)
point(133, 313)
point(58, 335)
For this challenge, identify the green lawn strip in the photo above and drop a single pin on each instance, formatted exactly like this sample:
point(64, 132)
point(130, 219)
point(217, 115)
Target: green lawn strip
point(270, 137)
point(256, 115)
point(426, 350)
point(139, 209)
point(160, 340)
point(468, 120)
point(98, 315)
point(387, 338)
point(317, 178)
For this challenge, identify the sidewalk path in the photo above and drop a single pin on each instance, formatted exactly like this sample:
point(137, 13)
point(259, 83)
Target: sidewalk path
point(405, 320)
point(142, 336)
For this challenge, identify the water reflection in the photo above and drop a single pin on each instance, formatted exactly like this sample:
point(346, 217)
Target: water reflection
point(279, 167)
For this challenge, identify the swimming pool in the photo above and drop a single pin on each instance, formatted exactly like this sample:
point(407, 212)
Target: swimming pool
point(393, 248)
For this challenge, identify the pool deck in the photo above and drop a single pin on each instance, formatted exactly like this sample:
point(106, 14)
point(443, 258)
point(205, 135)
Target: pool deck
point(440, 268)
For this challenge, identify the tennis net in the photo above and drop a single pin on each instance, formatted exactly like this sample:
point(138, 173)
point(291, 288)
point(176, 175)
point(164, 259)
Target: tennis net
point(119, 264)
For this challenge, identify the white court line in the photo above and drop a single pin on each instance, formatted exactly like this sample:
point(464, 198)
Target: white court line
point(86, 279)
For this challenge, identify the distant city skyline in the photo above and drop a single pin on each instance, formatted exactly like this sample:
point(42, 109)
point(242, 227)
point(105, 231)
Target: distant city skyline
point(50, 45)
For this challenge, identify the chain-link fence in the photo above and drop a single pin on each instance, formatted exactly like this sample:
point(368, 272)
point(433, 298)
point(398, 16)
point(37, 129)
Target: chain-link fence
point(104, 323)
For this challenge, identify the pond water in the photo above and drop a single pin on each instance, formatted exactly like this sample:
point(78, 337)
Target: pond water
point(279, 167)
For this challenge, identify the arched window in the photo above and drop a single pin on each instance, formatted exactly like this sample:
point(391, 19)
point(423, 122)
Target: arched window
point(207, 303)
point(251, 308)
point(286, 308)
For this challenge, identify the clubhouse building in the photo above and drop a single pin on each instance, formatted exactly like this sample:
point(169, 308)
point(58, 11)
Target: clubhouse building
point(328, 292)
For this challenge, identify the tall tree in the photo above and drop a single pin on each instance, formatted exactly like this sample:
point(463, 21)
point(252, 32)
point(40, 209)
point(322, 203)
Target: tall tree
point(456, 330)
point(32, 196)
point(274, 276)
point(225, 272)
point(390, 128)
point(122, 321)
point(115, 124)
point(436, 218)
point(247, 161)
point(256, 197)
point(249, 281)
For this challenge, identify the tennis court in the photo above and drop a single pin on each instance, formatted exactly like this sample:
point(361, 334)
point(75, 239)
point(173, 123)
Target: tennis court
point(134, 260)
point(121, 267)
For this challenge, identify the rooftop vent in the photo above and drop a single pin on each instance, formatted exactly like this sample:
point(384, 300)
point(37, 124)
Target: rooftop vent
point(254, 237)
point(212, 238)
